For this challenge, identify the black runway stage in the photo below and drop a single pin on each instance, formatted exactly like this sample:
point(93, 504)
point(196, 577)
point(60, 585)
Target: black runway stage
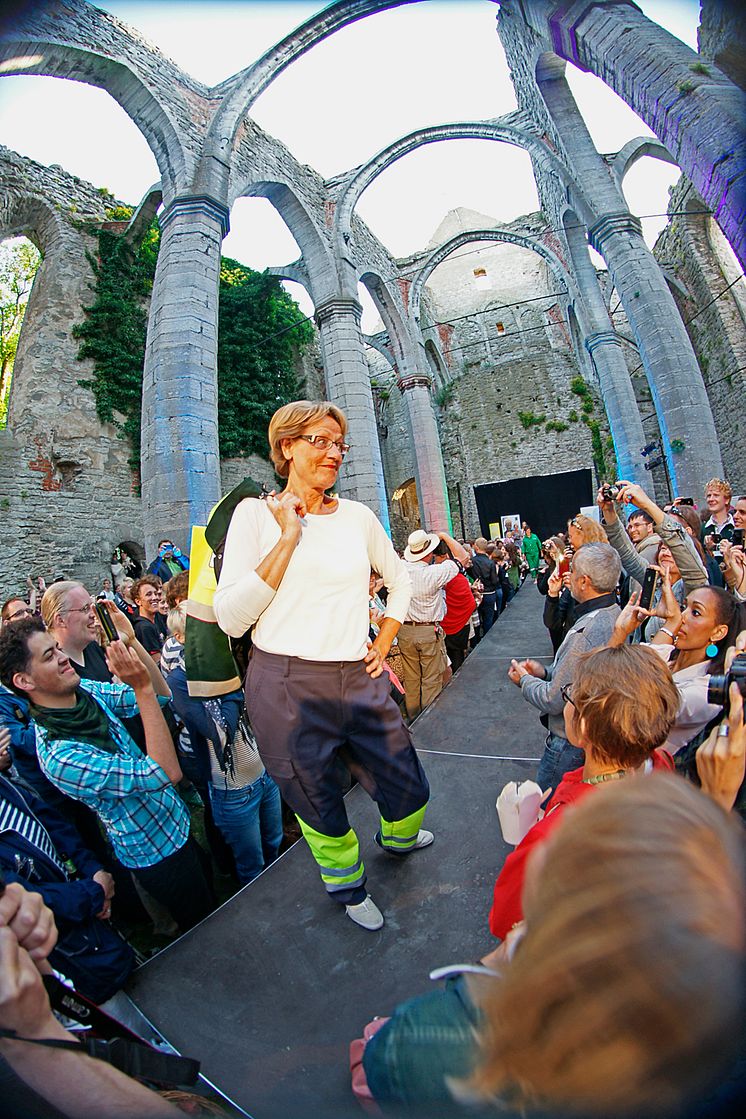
point(268, 992)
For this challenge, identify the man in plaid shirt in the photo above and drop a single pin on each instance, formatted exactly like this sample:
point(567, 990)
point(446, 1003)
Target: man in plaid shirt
point(85, 751)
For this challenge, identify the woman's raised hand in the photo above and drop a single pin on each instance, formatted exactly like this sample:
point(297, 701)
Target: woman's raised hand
point(287, 509)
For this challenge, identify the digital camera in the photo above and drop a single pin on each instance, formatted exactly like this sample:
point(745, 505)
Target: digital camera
point(719, 687)
point(610, 493)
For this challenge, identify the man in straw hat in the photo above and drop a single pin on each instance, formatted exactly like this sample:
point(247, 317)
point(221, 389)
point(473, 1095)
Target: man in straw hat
point(421, 638)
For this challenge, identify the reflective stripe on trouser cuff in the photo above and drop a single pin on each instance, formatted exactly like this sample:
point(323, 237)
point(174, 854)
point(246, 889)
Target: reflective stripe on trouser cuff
point(338, 858)
point(401, 835)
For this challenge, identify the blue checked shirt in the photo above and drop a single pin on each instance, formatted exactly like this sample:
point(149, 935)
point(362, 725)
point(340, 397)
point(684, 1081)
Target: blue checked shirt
point(144, 817)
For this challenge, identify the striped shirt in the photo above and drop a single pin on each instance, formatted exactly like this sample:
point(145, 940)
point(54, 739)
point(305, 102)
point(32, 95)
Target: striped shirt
point(24, 823)
point(428, 602)
point(144, 817)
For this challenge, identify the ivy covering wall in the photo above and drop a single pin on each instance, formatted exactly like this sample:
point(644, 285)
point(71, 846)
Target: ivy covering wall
point(262, 333)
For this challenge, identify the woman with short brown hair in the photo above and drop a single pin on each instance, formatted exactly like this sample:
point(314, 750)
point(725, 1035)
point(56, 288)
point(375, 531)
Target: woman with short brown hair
point(295, 571)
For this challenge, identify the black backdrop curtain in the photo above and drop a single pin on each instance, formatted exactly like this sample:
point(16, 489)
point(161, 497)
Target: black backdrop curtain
point(546, 502)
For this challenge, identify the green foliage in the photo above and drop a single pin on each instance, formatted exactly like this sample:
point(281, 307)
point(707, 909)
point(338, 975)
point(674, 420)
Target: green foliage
point(118, 213)
point(444, 395)
point(579, 387)
point(19, 260)
point(261, 331)
point(685, 87)
point(677, 445)
point(530, 419)
point(113, 333)
point(573, 416)
point(699, 68)
point(597, 450)
point(587, 405)
point(556, 425)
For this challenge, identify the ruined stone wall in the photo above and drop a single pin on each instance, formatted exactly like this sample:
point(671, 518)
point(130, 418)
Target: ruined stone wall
point(693, 250)
point(491, 377)
point(722, 37)
point(66, 492)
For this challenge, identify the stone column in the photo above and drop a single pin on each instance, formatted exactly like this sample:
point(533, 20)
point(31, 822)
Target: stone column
point(348, 386)
point(618, 395)
point(605, 349)
point(678, 391)
point(432, 494)
point(698, 115)
point(180, 457)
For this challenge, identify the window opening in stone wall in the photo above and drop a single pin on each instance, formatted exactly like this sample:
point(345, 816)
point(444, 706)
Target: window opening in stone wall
point(481, 279)
point(19, 261)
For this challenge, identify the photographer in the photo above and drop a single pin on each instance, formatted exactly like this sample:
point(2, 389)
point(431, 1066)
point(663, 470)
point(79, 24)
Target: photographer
point(676, 551)
point(694, 642)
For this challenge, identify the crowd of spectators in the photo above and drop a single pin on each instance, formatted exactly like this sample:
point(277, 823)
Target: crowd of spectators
point(128, 803)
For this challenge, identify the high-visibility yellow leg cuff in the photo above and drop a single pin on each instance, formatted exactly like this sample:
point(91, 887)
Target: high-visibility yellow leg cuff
point(338, 858)
point(401, 835)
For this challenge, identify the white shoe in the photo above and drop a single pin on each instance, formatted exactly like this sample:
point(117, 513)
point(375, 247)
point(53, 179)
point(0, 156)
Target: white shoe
point(424, 839)
point(366, 914)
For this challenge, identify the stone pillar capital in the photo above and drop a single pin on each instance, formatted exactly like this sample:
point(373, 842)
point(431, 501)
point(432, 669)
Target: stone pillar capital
point(611, 224)
point(601, 338)
point(196, 204)
point(338, 305)
point(565, 20)
point(413, 381)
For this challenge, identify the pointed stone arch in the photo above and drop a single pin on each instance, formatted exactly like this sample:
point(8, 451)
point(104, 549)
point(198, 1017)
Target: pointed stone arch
point(316, 260)
point(118, 79)
point(514, 128)
point(508, 235)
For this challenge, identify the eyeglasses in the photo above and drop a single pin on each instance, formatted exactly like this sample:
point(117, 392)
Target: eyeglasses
point(575, 523)
point(87, 609)
point(24, 612)
point(323, 444)
point(565, 693)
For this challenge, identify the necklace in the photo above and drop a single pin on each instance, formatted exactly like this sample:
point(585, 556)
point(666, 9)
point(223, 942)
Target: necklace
point(600, 777)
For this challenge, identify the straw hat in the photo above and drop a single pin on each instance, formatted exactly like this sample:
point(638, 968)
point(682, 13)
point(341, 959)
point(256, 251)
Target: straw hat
point(420, 544)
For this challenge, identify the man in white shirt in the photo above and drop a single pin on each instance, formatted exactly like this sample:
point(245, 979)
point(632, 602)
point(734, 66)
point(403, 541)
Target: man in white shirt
point(421, 638)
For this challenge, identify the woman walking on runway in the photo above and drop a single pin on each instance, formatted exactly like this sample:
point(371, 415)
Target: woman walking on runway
point(296, 568)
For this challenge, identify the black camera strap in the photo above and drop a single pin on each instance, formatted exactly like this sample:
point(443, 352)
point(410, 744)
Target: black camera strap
point(116, 1043)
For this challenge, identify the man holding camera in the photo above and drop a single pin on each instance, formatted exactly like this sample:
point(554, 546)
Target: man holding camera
point(170, 561)
point(86, 752)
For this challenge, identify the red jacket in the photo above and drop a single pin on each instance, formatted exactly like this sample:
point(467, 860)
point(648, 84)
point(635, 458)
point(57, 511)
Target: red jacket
point(460, 604)
point(507, 907)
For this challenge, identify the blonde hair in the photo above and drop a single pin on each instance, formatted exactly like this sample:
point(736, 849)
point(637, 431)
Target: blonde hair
point(291, 421)
point(592, 532)
point(720, 486)
point(53, 600)
point(627, 700)
point(626, 993)
point(177, 620)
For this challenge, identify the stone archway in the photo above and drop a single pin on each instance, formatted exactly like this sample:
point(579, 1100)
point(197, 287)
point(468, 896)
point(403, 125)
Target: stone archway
point(514, 129)
point(438, 255)
point(40, 43)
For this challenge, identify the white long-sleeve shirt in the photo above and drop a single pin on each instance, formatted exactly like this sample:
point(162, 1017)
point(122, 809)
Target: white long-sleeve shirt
point(320, 609)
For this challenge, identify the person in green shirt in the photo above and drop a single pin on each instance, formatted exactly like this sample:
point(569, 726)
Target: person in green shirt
point(531, 548)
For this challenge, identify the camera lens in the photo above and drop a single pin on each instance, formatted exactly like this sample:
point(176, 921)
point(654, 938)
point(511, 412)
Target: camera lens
point(717, 691)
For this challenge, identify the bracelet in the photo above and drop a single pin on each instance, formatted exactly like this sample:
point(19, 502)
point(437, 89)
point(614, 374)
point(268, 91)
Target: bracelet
point(663, 629)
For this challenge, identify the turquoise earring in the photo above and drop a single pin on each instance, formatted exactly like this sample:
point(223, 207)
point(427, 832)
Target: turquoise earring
point(711, 651)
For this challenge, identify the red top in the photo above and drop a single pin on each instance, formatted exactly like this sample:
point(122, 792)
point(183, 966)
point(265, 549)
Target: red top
point(460, 604)
point(506, 902)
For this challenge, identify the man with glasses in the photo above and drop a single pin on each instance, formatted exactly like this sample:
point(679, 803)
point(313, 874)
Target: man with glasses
point(14, 608)
point(594, 575)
